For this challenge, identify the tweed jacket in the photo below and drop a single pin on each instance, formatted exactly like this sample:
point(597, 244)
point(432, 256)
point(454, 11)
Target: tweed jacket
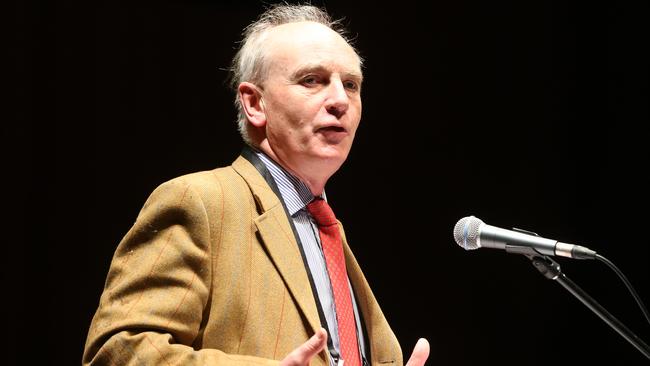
point(211, 274)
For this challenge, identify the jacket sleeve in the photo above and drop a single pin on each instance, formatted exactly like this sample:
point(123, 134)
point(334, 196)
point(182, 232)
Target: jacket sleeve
point(158, 287)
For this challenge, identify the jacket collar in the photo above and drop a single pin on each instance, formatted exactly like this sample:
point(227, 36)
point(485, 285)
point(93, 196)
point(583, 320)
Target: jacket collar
point(278, 237)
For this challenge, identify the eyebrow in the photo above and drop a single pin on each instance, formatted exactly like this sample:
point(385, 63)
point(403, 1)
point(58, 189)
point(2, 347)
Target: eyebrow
point(305, 69)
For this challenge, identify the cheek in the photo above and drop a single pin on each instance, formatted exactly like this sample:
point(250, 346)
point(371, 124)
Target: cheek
point(289, 113)
point(355, 116)
point(284, 131)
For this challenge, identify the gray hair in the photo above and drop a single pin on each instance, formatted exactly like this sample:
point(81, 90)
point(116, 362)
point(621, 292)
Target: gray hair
point(249, 62)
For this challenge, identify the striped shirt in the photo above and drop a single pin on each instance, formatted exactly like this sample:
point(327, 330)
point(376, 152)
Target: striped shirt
point(296, 195)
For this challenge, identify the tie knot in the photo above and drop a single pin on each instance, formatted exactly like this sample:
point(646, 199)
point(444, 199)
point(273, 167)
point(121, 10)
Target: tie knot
point(321, 212)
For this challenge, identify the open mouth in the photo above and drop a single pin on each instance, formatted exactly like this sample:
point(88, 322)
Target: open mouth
point(332, 129)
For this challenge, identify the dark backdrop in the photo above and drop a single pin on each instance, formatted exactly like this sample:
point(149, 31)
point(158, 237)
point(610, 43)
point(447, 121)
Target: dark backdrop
point(527, 114)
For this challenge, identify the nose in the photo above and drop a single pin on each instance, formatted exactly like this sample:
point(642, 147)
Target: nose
point(338, 101)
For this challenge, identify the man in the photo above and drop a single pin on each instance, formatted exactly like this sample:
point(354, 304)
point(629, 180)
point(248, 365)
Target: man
point(246, 264)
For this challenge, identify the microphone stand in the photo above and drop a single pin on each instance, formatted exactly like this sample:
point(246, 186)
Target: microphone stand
point(551, 270)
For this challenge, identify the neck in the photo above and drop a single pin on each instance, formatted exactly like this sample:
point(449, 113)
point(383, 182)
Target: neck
point(315, 176)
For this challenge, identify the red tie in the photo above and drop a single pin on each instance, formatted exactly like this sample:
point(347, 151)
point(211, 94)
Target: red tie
point(330, 238)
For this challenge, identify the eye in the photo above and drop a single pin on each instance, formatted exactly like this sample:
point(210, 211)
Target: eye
point(310, 80)
point(351, 85)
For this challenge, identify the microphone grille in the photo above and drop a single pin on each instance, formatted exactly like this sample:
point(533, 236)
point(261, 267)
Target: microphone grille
point(466, 232)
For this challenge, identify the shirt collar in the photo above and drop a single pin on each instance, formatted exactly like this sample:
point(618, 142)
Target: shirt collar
point(295, 193)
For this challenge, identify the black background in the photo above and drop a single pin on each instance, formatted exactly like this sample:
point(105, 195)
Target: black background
point(525, 114)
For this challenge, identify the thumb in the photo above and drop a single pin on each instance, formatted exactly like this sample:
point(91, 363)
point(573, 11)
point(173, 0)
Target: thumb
point(306, 351)
point(420, 353)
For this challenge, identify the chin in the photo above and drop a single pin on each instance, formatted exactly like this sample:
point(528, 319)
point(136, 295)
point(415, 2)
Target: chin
point(330, 152)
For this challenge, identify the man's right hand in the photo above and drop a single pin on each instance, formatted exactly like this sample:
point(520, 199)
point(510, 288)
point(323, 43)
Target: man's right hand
point(302, 355)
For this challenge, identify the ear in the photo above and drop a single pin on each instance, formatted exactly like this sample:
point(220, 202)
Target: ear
point(252, 103)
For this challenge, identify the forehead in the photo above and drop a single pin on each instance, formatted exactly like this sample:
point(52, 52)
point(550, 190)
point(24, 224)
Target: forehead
point(293, 45)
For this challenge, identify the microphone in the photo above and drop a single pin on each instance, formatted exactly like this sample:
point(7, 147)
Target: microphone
point(472, 233)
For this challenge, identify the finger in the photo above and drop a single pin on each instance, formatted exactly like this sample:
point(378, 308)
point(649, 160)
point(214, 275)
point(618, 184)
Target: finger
point(420, 353)
point(305, 352)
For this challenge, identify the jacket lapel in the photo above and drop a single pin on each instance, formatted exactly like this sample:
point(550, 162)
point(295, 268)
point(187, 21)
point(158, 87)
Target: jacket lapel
point(279, 241)
point(377, 327)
